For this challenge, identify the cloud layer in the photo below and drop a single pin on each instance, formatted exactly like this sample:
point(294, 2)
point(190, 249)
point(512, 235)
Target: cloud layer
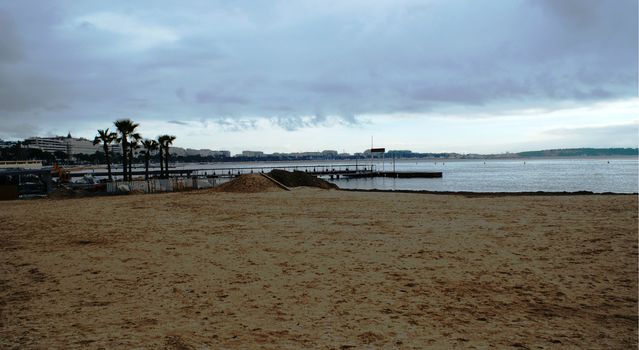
point(306, 63)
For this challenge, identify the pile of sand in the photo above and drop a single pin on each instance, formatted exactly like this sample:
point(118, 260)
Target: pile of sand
point(250, 183)
point(300, 178)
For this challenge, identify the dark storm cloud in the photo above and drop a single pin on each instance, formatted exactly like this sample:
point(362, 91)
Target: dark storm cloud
point(296, 63)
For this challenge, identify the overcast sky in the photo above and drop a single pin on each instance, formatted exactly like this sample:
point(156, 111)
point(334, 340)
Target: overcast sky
point(284, 76)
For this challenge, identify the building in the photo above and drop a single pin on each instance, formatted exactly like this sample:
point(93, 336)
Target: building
point(81, 146)
point(207, 153)
point(329, 154)
point(252, 154)
point(47, 144)
point(69, 145)
point(221, 154)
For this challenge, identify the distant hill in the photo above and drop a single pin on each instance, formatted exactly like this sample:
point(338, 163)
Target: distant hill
point(581, 152)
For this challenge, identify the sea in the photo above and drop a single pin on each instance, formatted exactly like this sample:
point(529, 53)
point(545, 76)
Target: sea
point(599, 175)
point(549, 175)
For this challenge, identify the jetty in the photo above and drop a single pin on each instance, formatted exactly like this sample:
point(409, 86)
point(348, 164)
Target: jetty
point(397, 174)
point(322, 170)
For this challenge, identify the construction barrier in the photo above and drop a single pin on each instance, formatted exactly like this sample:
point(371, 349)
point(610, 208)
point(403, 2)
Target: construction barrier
point(160, 185)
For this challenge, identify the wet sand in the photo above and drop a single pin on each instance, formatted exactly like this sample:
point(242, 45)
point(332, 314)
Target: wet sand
point(321, 269)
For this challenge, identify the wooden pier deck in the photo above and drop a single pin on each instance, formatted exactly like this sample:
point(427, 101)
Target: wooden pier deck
point(331, 171)
point(318, 170)
point(397, 174)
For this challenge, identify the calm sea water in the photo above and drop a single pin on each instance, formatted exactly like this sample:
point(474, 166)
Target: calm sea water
point(556, 175)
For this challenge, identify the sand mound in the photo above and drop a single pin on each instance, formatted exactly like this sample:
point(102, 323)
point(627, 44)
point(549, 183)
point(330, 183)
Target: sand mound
point(249, 183)
point(299, 178)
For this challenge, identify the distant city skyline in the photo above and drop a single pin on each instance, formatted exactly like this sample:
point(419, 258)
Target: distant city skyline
point(427, 76)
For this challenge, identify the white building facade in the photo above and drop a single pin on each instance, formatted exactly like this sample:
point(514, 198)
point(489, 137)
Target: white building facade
point(69, 145)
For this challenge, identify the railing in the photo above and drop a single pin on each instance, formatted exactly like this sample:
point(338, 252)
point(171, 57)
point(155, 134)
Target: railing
point(323, 169)
point(326, 169)
point(21, 164)
point(161, 185)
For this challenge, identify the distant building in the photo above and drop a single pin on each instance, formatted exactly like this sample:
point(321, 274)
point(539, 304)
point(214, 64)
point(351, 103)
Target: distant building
point(224, 154)
point(195, 152)
point(252, 154)
point(207, 153)
point(307, 155)
point(69, 145)
point(47, 144)
point(329, 153)
point(81, 146)
point(181, 152)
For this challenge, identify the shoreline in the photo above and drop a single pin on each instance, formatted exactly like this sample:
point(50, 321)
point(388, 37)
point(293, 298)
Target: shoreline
point(495, 194)
point(469, 194)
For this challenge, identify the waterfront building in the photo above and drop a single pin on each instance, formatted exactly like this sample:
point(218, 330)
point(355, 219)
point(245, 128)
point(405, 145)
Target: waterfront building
point(69, 145)
point(208, 153)
point(223, 154)
point(329, 154)
point(47, 144)
point(252, 154)
point(205, 152)
point(81, 146)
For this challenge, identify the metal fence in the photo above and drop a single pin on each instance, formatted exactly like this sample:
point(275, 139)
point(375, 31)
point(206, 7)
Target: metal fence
point(161, 185)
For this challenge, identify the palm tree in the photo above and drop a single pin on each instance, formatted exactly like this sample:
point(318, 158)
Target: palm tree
point(161, 140)
point(106, 138)
point(125, 128)
point(134, 144)
point(149, 146)
point(167, 141)
point(167, 154)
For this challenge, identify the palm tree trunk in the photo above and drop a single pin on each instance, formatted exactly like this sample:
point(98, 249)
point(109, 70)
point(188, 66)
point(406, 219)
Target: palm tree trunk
point(166, 161)
point(130, 164)
point(124, 163)
point(161, 163)
point(108, 160)
point(146, 173)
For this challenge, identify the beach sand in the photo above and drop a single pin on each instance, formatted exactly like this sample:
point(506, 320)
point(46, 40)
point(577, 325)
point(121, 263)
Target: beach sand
point(322, 269)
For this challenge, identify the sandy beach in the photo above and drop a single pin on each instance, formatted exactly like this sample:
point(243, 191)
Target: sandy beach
point(315, 268)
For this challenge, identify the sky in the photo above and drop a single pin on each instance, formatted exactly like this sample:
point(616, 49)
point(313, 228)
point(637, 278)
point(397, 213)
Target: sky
point(464, 76)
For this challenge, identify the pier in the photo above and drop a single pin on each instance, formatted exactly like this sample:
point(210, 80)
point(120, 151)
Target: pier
point(214, 172)
point(397, 174)
point(331, 171)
